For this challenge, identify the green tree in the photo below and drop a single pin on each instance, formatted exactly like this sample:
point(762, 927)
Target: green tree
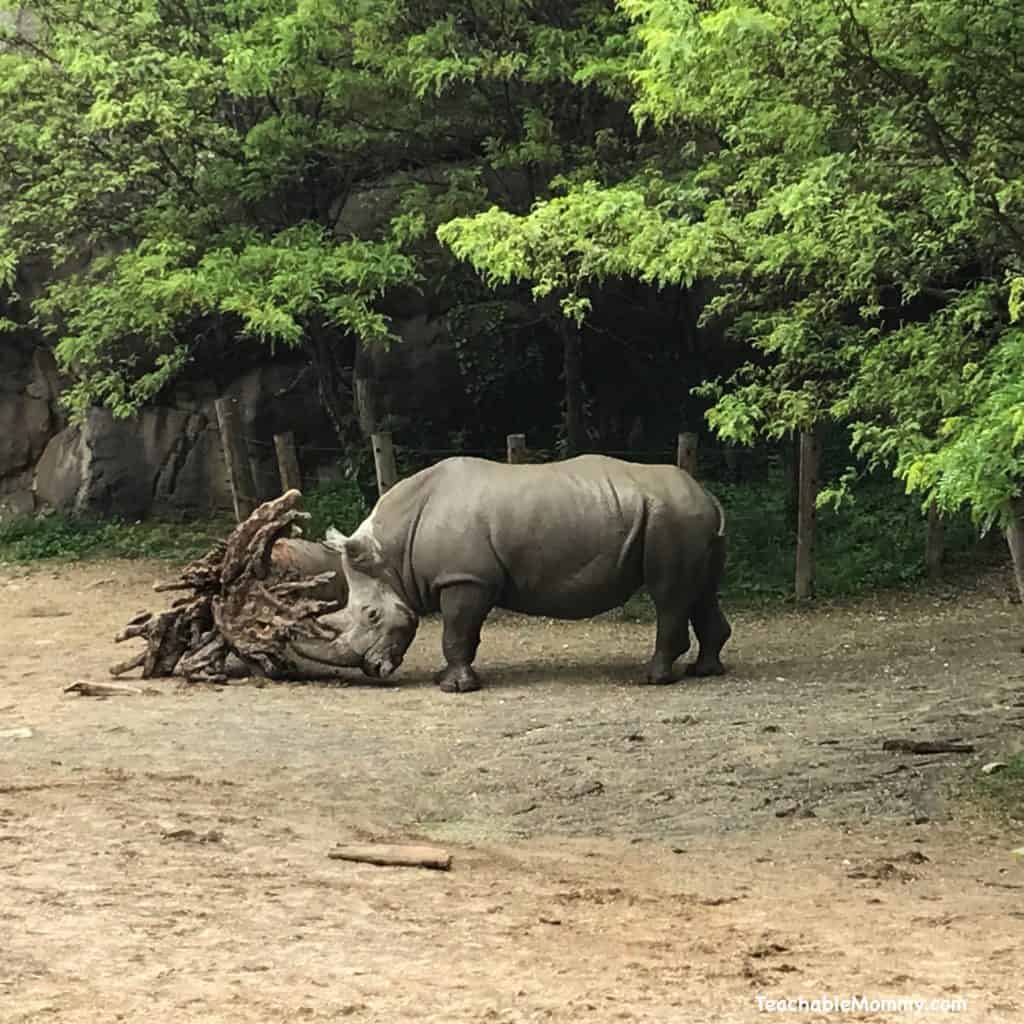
point(849, 173)
point(871, 165)
point(182, 168)
point(529, 70)
point(178, 167)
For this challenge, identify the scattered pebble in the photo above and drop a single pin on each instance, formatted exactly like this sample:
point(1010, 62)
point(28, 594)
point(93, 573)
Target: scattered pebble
point(22, 733)
point(190, 835)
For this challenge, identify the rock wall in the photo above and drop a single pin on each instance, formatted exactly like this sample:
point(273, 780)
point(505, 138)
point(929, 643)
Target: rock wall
point(29, 418)
point(167, 461)
point(164, 461)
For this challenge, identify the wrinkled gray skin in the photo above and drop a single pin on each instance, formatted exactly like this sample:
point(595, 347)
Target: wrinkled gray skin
point(373, 632)
point(567, 540)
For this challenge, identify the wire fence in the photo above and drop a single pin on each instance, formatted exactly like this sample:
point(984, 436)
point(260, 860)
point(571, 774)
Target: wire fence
point(319, 463)
point(771, 517)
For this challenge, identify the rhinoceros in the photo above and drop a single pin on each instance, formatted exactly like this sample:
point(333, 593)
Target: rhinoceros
point(566, 540)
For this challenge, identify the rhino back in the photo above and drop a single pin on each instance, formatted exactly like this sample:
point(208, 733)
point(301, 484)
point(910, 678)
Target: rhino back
point(565, 539)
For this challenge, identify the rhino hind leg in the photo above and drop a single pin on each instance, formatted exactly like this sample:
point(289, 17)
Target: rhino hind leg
point(672, 641)
point(464, 607)
point(709, 622)
point(713, 630)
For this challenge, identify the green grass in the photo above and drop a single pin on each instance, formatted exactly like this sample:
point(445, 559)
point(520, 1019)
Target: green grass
point(340, 505)
point(1007, 787)
point(875, 542)
point(66, 538)
point(1003, 792)
point(57, 537)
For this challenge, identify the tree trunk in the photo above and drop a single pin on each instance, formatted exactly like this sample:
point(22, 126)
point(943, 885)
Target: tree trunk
point(1015, 542)
point(792, 464)
point(384, 460)
point(365, 392)
point(934, 543)
point(572, 369)
point(328, 358)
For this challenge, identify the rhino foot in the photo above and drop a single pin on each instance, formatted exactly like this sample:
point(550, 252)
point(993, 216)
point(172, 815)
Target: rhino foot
point(659, 674)
point(458, 679)
point(659, 677)
point(706, 668)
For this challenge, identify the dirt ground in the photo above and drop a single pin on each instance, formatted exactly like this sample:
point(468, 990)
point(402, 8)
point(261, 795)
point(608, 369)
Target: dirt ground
point(620, 853)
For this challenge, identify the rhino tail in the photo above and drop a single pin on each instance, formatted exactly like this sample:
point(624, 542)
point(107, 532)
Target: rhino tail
point(721, 514)
point(717, 550)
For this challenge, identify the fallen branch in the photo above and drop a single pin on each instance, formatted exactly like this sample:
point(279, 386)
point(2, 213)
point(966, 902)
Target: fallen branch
point(928, 746)
point(126, 666)
point(395, 856)
point(86, 689)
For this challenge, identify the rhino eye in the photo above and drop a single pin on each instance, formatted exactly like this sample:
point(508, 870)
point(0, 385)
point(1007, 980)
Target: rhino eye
point(373, 614)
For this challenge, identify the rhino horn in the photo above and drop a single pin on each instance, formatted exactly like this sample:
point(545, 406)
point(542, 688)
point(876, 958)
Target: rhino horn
point(335, 539)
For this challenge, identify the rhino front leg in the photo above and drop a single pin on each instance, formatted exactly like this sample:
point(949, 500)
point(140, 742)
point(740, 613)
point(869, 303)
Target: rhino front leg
point(464, 606)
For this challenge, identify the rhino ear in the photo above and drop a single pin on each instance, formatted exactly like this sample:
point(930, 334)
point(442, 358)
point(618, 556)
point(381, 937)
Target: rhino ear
point(335, 539)
point(361, 553)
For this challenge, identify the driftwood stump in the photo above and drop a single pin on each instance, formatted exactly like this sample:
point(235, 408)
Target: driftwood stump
point(237, 604)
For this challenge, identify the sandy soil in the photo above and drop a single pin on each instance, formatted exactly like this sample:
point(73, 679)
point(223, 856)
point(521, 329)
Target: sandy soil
point(621, 853)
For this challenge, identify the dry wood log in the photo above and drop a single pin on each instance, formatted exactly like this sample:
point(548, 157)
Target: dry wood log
point(928, 746)
point(388, 855)
point(128, 664)
point(87, 689)
point(239, 604)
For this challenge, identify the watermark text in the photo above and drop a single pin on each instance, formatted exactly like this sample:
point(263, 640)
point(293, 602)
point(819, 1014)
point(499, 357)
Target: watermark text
point(827, 1003)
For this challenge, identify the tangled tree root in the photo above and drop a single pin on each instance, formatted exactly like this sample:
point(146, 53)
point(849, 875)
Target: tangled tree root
point(238, 604)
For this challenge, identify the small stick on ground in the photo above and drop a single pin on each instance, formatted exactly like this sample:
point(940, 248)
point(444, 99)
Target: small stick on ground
point(87, 689)
point(395, 856)
point(928, 746)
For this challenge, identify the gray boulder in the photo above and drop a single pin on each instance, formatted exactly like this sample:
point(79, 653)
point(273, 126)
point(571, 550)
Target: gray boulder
point(163, 460)
point(29, 416)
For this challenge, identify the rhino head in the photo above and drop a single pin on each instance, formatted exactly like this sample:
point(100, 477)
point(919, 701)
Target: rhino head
point(376, 627)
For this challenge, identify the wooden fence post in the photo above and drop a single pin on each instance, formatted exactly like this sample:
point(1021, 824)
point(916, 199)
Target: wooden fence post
point(236, 457)
point(288, 462)
point(516, 448)
point(686, 453)
point(807, 511)
point(384, 460)
point(934, 542)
